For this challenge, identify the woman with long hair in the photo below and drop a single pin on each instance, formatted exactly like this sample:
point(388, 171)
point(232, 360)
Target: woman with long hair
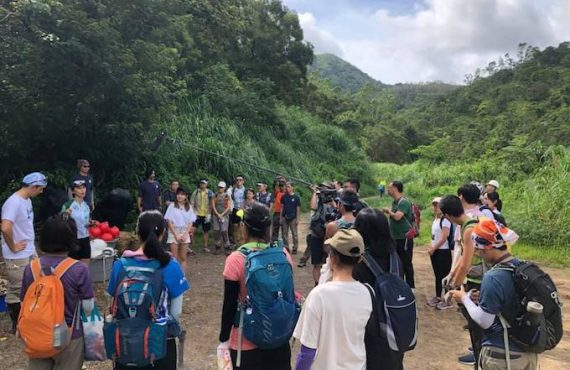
point(180, 218)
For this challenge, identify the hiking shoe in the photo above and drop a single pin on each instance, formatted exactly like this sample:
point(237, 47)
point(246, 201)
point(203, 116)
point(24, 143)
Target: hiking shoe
point(207, 250)
point(191, 252)
point(433, 302)
point(443, 305)
point(470, 349)
point(227, 251)
point(468, 359)
point(302, 264)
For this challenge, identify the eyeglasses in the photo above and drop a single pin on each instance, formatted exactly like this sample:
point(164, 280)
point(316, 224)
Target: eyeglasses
point(85, 166)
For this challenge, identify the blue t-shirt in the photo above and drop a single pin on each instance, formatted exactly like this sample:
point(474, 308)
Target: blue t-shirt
point(175, 282)
point(290, 203)
point(498, 295)
point(88, 185)
point(149, 192)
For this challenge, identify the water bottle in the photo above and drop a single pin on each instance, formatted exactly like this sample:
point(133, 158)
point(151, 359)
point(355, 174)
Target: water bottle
point(60, 336)
point(529, 330)
point(533, 313)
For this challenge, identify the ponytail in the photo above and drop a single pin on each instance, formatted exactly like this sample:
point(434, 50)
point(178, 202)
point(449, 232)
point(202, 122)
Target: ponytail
point(150, 226)
point(153, 249)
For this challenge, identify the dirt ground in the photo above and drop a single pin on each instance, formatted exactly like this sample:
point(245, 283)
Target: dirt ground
point(441, 339)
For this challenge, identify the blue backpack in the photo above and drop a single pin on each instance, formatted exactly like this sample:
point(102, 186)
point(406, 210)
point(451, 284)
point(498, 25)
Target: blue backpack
point(134, 337)
point(270, 314)
point(395, 305)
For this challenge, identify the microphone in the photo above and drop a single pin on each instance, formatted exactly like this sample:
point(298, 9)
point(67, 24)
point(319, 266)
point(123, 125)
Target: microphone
point(156, 142)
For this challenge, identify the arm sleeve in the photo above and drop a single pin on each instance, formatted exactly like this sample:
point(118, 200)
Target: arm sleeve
point(229, 308)
point(305, 358)
point(176, 307)
point(482, 318)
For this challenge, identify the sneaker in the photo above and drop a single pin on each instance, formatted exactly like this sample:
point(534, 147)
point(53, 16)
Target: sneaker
point(207, 250)
point(443, 305)
point(191, 252)
point(470, 349)
point(294, 251)
point(468, 359)
point(433, 302)
point(302, 264)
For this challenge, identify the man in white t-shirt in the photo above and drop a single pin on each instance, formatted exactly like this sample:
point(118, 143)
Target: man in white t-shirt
point(334, 319)
point(18, 237)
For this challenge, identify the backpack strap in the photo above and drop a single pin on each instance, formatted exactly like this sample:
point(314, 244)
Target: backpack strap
point(394, 265)
point(36, 268)
point(63, 266)
point(373, 265)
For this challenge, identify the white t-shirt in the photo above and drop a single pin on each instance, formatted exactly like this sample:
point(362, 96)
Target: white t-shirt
point(471, 212)
point(19, 211)
point(81, 214)
point(436, 231)
point(180, 217)
point(333, 320)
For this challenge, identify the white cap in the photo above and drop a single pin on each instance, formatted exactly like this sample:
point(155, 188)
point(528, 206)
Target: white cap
point(222, 184)
point(436, 200)
point(494, 183)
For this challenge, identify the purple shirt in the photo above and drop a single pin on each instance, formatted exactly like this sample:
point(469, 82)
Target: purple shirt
point(76, 285)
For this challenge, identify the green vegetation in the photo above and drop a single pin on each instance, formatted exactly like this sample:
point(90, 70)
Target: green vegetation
point(341, 74)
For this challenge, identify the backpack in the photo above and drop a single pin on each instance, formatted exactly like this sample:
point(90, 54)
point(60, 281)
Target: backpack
point(134, 337)
point(396, 303)
point(41, 323)
point(416, 217)
point(533, 284)
point(414, 221)
point(450, 237)
point(496, 215)
point(270, 314)
point(317, 224)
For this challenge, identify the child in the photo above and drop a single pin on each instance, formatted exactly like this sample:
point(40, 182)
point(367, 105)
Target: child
point(180, 218)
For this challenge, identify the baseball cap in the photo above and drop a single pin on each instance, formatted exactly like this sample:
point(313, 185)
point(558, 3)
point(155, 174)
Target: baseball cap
point(347, 242)
point(203, 181)
point(348, 198)
point(261, 183)
point(436, 200)
point(77, 183)
point(494, 183)
point(222, 184)
point(35, 179)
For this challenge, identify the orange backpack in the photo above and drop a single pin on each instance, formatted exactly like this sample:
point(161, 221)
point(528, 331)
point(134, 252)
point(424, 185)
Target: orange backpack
point(41, 324)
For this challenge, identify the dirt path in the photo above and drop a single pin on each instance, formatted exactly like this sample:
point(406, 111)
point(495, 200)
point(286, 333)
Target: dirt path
point(441, 337)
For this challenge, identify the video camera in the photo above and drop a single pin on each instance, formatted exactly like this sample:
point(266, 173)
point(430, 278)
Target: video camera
point(326, 194)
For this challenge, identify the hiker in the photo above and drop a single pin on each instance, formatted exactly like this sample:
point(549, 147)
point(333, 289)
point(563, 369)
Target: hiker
point(263, 196)
point(375, 230)
point(249, 198)
point(497, 298)
point(238, 200)
point(290, 210)
point(494, 203)
point(257, 225)
point(148, 198)
point(440, 253)
point(278, 192)
point(57, 240)
point(335, 315)
point(82, 174)
point(150, 262)
point(18, 237)
point(347, 202)
point(322, 206)
point(180, 218)
point(353, 184)
point(221, 208)
point(492, 186)
point(468, 266)
point(382, 187)
point(78, 209)
point(169, 195)
point(201, 201)
point(400, 216)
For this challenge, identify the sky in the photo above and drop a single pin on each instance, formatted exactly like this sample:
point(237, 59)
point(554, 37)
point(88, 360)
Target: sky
point(429, 40)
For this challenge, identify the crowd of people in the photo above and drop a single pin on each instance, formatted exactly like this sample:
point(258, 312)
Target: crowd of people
point(342, 324)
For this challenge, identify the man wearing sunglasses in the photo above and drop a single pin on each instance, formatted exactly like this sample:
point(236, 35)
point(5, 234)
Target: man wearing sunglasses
point(82, 174)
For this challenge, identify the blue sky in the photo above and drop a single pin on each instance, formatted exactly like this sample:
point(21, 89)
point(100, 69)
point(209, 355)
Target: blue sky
point(411, 41)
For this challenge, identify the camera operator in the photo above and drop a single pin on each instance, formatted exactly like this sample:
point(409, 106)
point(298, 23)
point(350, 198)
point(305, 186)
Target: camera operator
point(324, 208)
point(353, 184)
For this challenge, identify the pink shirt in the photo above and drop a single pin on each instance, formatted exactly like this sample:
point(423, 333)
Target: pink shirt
point(234, 270)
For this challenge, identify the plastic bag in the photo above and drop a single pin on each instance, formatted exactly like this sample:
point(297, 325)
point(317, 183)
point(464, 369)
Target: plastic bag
point(93, 334)
point(224, 357)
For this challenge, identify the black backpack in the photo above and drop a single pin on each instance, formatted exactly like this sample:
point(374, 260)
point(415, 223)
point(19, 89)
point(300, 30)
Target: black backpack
point(450, 237)
point(496, 215)
point(533, 284)
point(318, 221)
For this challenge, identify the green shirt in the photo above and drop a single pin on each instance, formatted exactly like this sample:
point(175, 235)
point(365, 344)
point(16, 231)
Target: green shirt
point(400, 228)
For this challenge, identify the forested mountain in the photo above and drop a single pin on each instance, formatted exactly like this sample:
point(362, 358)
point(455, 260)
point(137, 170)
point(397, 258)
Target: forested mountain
point(340, 73)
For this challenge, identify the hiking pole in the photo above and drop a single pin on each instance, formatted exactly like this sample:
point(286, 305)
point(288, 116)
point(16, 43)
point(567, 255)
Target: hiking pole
point(158, 141)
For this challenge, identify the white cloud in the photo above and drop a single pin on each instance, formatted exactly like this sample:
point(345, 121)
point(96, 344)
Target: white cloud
point(323, 41)
point(442, 40)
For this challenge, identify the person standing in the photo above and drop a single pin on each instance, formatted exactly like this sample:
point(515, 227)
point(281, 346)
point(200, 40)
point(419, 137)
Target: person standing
point(180, 218)
point(149, 193)
point(201, 200)
point(400, 223)
point(492, 186)
point(290, 210)
point(440, 253)
point(263, 196)
point(221, 208)
point(279, 191)
point(382, 187)
point(238, 201)
point(18, 237)
point(78, 210)
point(82, 174)
point(169, 196)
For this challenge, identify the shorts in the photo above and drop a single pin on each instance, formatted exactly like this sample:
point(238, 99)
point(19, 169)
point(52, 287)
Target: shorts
point(179, 230)
point(318, 256)
point(201, 220)
point(84, 251)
